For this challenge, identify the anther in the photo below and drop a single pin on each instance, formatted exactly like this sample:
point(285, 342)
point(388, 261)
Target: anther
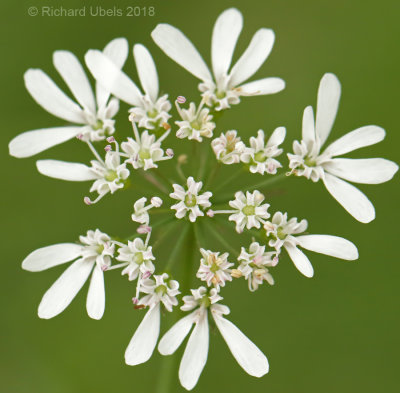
point(87, 200)
point(156, 201)
point(107, 148)
point(181, 99)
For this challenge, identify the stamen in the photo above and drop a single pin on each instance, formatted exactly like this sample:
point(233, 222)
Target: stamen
point(210, 213)
point(146, 275)
point(143, 229)
point(181, 99)
point(107, 148)
point(110, 139)
point(79, 136)
point(166, 126)
point(135, 300)
point(87, 200)
point(156, 201)
point(169, 153)
point(104, 268)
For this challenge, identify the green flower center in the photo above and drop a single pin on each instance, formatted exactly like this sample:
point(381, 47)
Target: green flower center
point(190, 200)
point(144, 154)
point(249, 210)
point(138, 258)
point(161, 290)
point(260, 157)
point(205, 301)
point(111, 175)
point(98, 126)
point(281, 234)
point(309, 161)
point(152, 114)
point(196, 124)
point(220, 94)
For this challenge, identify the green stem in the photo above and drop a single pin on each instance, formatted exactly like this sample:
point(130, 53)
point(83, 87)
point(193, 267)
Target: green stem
point(173, 257)
point(212, 175)
point(222, 240)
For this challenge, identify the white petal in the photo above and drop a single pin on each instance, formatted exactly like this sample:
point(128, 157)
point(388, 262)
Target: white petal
point(71, 171)
point(48, 95)
point(361, 137)
point(308, 129)
point(177, 46)
point(277, 137)
point(327, 105)
point(47, 257)
point(173, 338)
point(226, 32)
point(253, 57)
point(111, 78)
point(329, 245)
point(300, 260)
point(96, 297)
point(74, 76)
point(147, 71)
point(195, 356)
point(117, 51)
point(367, 170)
point(246, 353)
point(144, 340)
point(33, 142)
point(351, 198)
point(63, 291)
point(262, 87)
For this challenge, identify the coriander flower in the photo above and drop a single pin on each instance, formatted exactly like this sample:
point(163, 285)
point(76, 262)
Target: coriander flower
point(225, 87)
point(214, 268)
point(92, 115)
point(159, 289)
point(261, 155)
point(246, 353)
point(190, 200)
point(309, 161)
point(228, 147)
point(149, 110)
point(93, 255)
point(280, 233)
point(140, 211)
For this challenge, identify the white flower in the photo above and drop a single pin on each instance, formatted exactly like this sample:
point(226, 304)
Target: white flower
point(195, 124)
point(309, 161)
point(109, 175)
point(214, 268)
point(280, 233)
point(140, 211)
point(254, 263)
point(260, 155)
point(139, 256)
point(163, 290)
point(150, 111)
point(190, 200)
point(249, 210)
point(224, 88)
point(228, 147)
point(246, 353)
point(93, 255)
point(92, 115)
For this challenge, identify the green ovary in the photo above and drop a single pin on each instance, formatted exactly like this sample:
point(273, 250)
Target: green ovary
point(260, 157)
point(249, 210)
point(190, 200)
point(152, 114)
point(309, 162)
point(161, 290)
point(98, 126)
point(144, 154)
point(138, 258)
point(281, 234)
point(196, 125)
point(111, 176)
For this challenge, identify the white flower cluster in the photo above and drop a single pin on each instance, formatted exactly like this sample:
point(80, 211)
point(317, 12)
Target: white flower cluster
point(193, 207)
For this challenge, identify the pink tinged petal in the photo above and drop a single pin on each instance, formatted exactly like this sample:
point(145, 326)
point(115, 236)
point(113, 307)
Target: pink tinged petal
point(195, 356)
point(63, 291)
point(74, 76)
point(300, 260)
point(117, 51)
point(361, 137)
point(111, 78)
point(173, 338)
point(246, 353)
point(367, 171)
point(177, 46)
point(308, 129)
point(327, 105)
point(96, 299)
point(47, 257)
point(144, 340)
point(329, 245)
point(49, 96)
point(70, 171)
point(253, 57)
point(226, 32)
point(262, 87)
point(351, 198)
point(33, 142)
point(147, 71)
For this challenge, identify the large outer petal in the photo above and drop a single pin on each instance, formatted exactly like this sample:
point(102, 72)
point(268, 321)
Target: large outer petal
point(144, 340)
point(329, 245)
point(47, 257)
point(96, 297)
point(262, 87)
point(327, 105)
point(111, 78)
point(300, 260)
point(195, 356)
point(253, 57)
point(49, 96)
point(71, 171)
point(365, 170)
point(351, 198)
point(63, 291)
point(33, 142)
point(308, 128)
point(177, 46)
point(74, 76)
point(226, 32)
point(246, 353)
point(361, 137)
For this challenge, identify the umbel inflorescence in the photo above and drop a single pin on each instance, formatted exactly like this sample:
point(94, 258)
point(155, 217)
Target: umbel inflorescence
point(194, 199)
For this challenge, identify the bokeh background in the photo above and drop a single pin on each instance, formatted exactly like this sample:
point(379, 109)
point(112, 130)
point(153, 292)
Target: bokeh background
point(337, 332)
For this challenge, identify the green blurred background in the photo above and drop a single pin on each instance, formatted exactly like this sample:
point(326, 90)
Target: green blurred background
point(337, 332)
